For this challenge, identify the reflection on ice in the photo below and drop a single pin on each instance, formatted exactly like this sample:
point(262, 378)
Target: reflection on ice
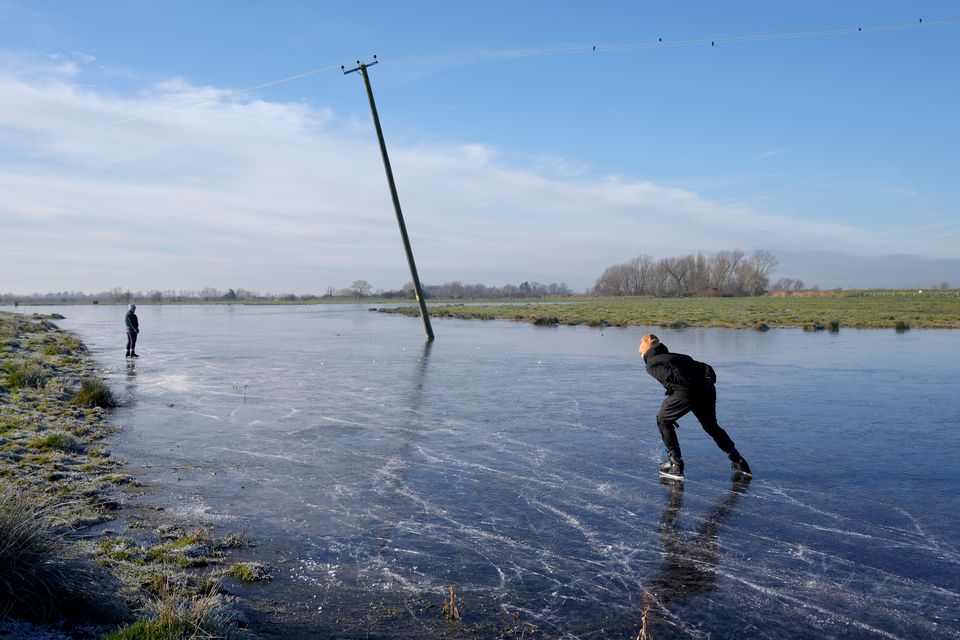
point(691, 564)
point(519, 465)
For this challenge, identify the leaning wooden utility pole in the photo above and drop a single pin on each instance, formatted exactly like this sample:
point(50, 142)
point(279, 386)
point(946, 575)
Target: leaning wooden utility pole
point(362, 68)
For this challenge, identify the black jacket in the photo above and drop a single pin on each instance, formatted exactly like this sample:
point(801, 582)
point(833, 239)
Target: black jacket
point(678, 372)
point(131, 321)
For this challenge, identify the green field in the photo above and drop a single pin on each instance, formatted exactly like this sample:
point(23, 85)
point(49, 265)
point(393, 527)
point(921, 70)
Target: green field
point(888, 309)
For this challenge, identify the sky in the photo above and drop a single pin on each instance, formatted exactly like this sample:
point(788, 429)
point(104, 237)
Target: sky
point(530, 141)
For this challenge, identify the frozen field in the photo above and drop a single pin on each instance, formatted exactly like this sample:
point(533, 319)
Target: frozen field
point(519, 464)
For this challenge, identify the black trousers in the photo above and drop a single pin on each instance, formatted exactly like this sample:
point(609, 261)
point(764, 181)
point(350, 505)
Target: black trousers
point(131, 342)
point(703, 404)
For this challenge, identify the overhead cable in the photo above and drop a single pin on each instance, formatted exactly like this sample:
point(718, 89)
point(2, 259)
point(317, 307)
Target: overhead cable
point(508, 54)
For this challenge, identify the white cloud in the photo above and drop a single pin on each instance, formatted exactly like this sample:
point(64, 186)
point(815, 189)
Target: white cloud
point(287, 196)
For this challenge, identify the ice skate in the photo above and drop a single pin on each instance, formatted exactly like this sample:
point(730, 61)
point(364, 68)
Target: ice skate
point(672, 467)
point(739, 464)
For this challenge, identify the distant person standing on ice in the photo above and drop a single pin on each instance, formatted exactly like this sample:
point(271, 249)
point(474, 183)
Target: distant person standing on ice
point(133, 328)
point(690, 387)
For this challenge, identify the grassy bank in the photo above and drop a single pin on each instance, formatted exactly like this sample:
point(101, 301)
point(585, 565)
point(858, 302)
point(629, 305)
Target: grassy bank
point(60, 489)
point(891, 309)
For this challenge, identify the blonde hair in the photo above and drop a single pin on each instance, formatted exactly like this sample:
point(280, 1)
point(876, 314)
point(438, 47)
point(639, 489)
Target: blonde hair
point(648, 341)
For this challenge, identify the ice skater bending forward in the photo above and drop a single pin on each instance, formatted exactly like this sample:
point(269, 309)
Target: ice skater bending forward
point(690, 387)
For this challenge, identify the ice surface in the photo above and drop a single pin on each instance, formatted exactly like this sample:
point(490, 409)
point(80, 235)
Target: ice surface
point(519, 464)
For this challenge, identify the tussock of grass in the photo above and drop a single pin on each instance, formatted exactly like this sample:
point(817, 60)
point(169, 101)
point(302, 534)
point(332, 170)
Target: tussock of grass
point(42, 577)
point(901, 326)
point(153, 630)
point(94, 393)
point(58, 441)
point(249, 572)
point(26, 374)
point(177, 613)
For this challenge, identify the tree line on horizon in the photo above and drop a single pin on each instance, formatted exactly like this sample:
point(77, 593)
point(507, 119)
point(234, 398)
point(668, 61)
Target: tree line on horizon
point(360, 289)
point(457, 290)
point(726, 273)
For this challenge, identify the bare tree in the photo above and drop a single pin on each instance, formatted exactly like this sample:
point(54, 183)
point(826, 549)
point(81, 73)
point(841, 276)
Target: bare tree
point(678, 270)
point(699, 279)
point(659, 279)
point(755, 272)
point(360, 288)
point(787, 284)
point(639, 274)
point(614, 281)
point(723, 271)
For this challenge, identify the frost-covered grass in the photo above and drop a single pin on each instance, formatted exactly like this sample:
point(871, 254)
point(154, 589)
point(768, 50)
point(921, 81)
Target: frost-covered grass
point(57, 478)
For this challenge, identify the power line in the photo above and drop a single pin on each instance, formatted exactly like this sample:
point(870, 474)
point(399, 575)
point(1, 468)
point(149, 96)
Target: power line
point(661, 43)
point(512, 54)
point(224, 96)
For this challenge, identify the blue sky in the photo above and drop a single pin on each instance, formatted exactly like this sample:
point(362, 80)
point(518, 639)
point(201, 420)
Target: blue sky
point(520, 153)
